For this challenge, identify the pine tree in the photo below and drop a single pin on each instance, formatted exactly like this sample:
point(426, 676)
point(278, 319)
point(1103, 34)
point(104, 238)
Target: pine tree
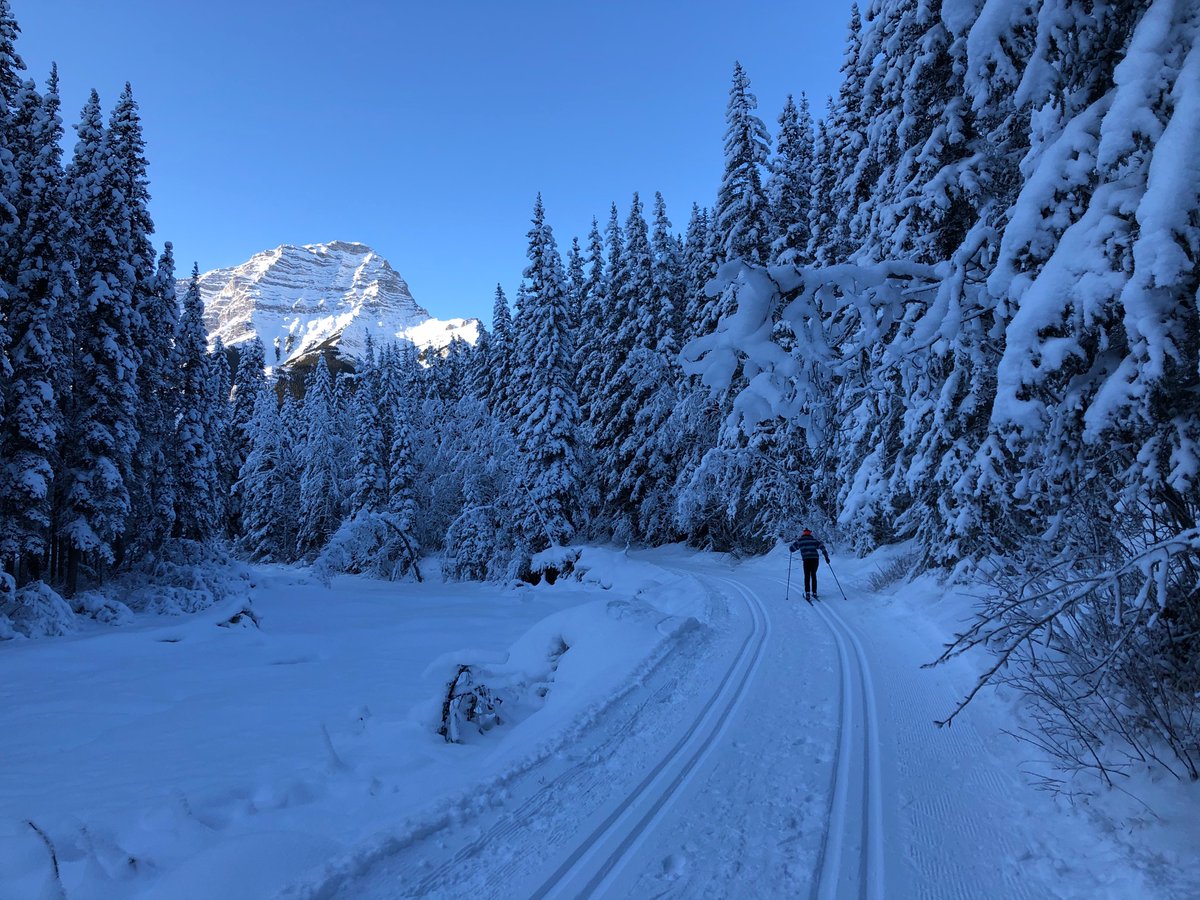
point(259, 480)
point(789, 188)
point(592, 331)
point(154, 496)
point(222, 431)
point(39, 272)
point(743, 213)
point(699, 266)
point(549, 415)
point(402, 474)
point(102, 428)
point(501, 358)
point(668, 279)
point(196, 503)
point(11, 64)
point(249, 381)
point(320, 492)
point(845, 142)
point(370, 438)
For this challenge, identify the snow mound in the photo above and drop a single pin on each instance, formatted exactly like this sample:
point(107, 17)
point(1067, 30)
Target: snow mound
point(34, 611)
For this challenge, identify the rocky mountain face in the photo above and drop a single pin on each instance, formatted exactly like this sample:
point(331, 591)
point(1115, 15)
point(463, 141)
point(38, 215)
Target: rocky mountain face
point(300, 300)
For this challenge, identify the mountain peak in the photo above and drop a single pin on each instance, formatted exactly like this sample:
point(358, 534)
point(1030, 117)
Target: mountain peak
point(301, 299)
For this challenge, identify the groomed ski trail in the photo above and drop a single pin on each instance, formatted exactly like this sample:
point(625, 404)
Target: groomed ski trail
point(852, 852)
point(590, 869)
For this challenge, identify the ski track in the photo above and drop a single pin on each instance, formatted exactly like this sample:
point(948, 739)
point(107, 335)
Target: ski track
point(672, 774)
point(851, 860)
point(547, 818)
point(951, 835)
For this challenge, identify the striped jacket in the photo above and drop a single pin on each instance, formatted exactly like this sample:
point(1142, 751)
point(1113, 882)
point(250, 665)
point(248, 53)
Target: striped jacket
point(810, 547)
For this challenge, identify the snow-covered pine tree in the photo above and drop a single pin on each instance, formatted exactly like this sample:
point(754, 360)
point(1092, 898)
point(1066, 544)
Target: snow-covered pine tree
point(823, 217)
point(102, 430)
point(653, 444)
point(846, 140)
point(699, 266)
point(606, 356)
point(479, 372)
point(591, 330)
point(548, 419)
point(481, 541)
point(222, 387)
point(195, 446)
point(576, 286)
point(500, 358)
point(402, 476)
point(258, 479)
point(11, 64)
point(370, 437)
point(320, 510)
point(635, 315)
point(155, 466)
point(285, 502)
point(743, 212)
point(249, 381)
point(789, 188)
point(37, 269)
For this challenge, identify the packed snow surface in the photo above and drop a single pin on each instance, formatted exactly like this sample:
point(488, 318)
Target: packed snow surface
point(300, 299)
point(675, 725)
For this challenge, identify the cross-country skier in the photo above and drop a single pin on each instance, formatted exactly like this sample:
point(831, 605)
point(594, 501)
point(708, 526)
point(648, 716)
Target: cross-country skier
point(809, 548)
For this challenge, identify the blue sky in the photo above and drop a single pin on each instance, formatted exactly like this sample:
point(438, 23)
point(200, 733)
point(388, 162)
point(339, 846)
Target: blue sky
point(426, 129)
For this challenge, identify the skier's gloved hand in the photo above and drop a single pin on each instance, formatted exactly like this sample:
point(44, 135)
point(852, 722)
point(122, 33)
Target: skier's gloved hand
point(795, 546)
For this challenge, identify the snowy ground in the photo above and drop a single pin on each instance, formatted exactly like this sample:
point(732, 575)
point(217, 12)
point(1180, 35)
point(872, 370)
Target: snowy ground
point(699, 736)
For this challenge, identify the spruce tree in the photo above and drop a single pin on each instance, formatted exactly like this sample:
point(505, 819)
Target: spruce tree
point(258, 482)
point(159, 384)
point(102, 431)
point(743, 212)
point(320, 492)
point(11, 64)
point(789, 188)
point(39, 273)
point(501, 358)
point(249, 381)
point(196, 502)
point(549, 415)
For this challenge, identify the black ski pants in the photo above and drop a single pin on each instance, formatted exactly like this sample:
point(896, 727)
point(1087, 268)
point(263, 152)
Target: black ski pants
point(810, 575)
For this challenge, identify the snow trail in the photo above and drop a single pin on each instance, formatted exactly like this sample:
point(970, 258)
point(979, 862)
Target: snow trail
point(703, 736)
point(852, 857)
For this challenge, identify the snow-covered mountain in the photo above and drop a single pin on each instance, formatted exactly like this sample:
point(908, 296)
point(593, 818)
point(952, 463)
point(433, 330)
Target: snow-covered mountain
point(298, 300)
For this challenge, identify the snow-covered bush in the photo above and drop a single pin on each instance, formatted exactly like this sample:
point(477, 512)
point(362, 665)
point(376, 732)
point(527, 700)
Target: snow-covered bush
point(1107, 645)
point(36, 610)
point(187, 578)
point(372, 543)
point(99, 606)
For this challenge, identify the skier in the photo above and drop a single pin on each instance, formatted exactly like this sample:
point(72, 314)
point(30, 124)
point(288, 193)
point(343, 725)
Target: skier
point(809, 548)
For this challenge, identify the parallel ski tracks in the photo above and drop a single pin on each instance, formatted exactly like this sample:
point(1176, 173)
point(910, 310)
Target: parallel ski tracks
point(851, 861)
point(596, 861)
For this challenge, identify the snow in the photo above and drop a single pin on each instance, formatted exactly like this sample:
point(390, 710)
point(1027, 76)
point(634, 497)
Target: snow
point(674, 725)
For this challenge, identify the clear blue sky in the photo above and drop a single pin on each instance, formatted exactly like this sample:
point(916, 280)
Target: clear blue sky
point(426, 129)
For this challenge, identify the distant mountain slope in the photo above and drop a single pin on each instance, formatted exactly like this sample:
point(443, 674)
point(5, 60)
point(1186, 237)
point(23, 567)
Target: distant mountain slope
point(298, 300)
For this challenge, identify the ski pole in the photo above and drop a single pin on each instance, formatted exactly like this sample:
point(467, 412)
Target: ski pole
point(787, 597)
point(835, 579)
